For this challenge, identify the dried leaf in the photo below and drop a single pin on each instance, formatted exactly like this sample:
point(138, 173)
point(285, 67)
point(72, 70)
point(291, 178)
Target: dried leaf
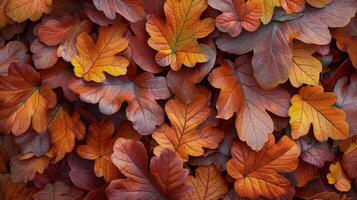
point(132, 10)
point(56, 191)
point(176, 39)
point(23, 171)
point(21, 10)
point(14, 191)
point(14, 51)
point(338, 178)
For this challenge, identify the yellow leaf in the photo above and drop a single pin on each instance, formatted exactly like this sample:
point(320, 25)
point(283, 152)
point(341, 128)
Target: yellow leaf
point(176, 39)
point(95, 59)
point(21, 10)
point(268, 10)
point(338, 178)
point(314, 106)
point(306, 68)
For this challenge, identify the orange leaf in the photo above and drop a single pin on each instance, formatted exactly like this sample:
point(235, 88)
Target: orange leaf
point(350, 160)
point(25, 170)
point(21, 10)
point(237, 15)
point(141, 93)
point(95, 59)
point(8, 149)
point(207, 185)
point(63, 129)
point(99, 147)
point(314, 106)
point(241, 94)
point(63, 32)
point(184, 137)
point(132, 10)
point(292, 6)
point(176, 39)
point(14, 51)
point(14, 191)
point(3, 18)
point(338, 178)
point(256, 173)
point(165, 180)
point(23, 101)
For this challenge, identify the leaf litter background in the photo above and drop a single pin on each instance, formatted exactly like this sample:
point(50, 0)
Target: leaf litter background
point(178, 99)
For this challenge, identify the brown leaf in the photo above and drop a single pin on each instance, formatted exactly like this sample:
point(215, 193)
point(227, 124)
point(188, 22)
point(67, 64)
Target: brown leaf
point(23, 171)
point(14, 51)
point(14, 191)
point(132, 10)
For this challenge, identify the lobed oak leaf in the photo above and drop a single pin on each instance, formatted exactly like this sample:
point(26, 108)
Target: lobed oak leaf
point(306, 69)
point(55, 191)
point(314, 106)
point(165, 180)
point(63, 129)
point(141, 93)
point(268, 10)
point(237, 15)
point(346, 93)
point(14, 51)
point(207, 184)
point(43, 56)
point(21, 10)
point(338, 178)
point(188, 135)
point(132, 10)
point(241, 94)
point(25, 170)
point(99, 147)
point(176, 39)
point(24, 101)
point(256, 173)
point(63, 32)
point(96, 58)
point(347, 39)
point(14, 191)
point(272, 59)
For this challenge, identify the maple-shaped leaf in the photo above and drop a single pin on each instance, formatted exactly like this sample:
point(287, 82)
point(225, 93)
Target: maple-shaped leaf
point(347, 40)
point(132, 10)
point(314, 106)
point(176, 38)
point(349, 161)
point(8, 149)
point(237, 15)
point(338, 178)
point(306, 69)
point(207, 184)
point(62, 33)
point(14, 191)
point(346, 93)
point(24, 170)
point(24, 101)
point(96, 58)
point(99, 147)
point(43, 56)
point(14, 51)
point(241, 94)
point(64, 128)
point(21, 10)
point(165, 179)
point(55, 191)
point(272, 59)
point(256, 173)
point(140, 94)
point(185, 137)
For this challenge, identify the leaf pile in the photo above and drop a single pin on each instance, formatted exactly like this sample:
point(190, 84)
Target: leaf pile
point(178, 99)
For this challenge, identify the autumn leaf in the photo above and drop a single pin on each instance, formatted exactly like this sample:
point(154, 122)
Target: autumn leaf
point(24, 101)
point(185, 137)
point(95, 59)
point(268, 10)
point(55, 191)
point(63, 129)
point(165, 179)
point(207, 184)
point(99, 147)
point(21, 10)
point(272, 59)
point(350, 160)
point(347, 40)
point(140, 94)
point(338, 178)
point(346, 93)
point(132, 10)
point(314, 106)
point(256, 173)
point(14, 191)
point(306, 69)
point(33, 144)
point(95, 15)
point(14, 51)
point(237, 15)
point(176, 39)
point(25, 170)
point(292, 6)
point(43, 56)
point(63, 32)
point(305, 173)
point(8, 149)
point(3, 18)
point(241, 94)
